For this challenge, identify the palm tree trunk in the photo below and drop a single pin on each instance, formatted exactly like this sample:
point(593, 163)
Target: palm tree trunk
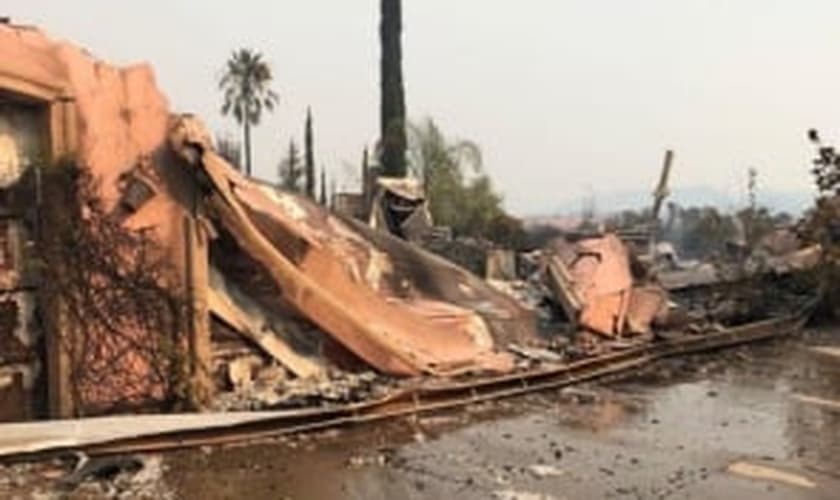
point(247, 130)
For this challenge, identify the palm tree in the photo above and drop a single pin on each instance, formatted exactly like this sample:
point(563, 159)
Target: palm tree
point(246, 88)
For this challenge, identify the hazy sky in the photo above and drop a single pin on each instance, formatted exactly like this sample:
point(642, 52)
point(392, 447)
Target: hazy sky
point(565, 97)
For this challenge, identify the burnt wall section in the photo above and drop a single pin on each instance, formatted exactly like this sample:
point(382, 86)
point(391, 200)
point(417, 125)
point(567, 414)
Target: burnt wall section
point(111, 122)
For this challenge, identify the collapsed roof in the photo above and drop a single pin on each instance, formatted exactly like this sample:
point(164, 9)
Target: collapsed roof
point(401, 310)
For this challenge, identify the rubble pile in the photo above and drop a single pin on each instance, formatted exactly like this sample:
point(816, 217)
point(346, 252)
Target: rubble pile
point(595, 294)
point(80, 476)
point(336, 388)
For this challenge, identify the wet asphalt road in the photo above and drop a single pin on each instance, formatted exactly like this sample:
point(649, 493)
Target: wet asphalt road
point(670, 432)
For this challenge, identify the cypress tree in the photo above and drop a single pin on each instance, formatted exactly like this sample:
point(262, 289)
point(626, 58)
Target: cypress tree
point(366, 180)
point(392, 105)
point(309, 156)
point(323, 199)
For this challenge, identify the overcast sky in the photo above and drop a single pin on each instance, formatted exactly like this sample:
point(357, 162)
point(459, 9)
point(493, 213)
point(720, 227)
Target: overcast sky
point(565, 97)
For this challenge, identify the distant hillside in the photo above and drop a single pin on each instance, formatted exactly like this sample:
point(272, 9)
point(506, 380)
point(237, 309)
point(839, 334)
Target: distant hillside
point(794, 202)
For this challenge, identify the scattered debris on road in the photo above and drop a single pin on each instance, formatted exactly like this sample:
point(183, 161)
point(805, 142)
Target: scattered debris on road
point(765, 473)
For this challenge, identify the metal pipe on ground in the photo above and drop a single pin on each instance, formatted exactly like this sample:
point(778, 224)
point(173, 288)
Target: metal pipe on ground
point(426, 399)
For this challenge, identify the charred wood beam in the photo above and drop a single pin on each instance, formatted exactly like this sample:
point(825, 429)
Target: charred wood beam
point(257, 328)
point(562, 286)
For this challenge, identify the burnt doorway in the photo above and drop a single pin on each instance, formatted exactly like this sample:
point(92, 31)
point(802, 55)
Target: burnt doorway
point(24, 143)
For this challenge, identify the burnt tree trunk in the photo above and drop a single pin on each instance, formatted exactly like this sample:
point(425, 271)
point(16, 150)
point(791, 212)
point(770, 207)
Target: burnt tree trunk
point(392, 107)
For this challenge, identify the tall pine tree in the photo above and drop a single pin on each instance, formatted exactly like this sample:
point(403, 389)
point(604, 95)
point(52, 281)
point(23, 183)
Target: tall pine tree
point(323, 199)
point(392, 105)
point(309, 156)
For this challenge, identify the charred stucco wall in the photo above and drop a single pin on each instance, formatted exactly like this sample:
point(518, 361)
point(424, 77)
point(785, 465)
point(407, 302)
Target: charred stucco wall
point(112, 121)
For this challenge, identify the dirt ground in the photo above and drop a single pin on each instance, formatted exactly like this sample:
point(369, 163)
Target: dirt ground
point(698, 427)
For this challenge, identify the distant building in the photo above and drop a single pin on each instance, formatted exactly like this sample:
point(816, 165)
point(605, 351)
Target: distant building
point(349, 204)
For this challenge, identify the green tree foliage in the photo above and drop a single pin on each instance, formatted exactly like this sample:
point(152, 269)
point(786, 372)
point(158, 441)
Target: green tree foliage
point(246, 91)
point(392, 107)
point(290, 171)
point(460, 194)
point(309, 156)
